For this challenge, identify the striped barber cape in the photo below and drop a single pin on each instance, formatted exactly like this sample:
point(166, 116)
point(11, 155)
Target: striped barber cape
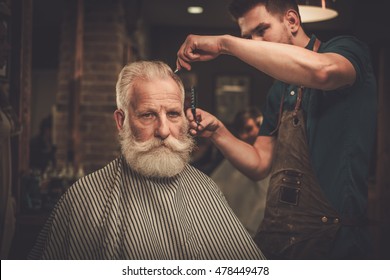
point(116, 213)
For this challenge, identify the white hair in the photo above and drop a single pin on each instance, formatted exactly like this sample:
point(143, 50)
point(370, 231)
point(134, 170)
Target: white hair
point(142, 70)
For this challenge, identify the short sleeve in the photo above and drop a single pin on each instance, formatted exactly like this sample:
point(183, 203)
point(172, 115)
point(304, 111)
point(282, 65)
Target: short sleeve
point(271, 109)
point(355, 51)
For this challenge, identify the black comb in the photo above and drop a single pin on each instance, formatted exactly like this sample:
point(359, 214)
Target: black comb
point(194, 103)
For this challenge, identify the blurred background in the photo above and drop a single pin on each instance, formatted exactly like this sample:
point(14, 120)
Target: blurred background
point(61, 74)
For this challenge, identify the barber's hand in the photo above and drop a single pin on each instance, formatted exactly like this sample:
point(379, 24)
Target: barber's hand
point(197, 48)
point(206, 126)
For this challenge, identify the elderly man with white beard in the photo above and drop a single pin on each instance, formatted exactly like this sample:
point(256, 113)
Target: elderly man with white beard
point(149, 203)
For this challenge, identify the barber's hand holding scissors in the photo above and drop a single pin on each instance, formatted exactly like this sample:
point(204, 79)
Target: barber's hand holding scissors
point(206, 126)
point(198, 48)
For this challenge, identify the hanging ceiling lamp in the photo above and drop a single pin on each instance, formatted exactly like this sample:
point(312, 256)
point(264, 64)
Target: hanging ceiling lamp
point(316, 10)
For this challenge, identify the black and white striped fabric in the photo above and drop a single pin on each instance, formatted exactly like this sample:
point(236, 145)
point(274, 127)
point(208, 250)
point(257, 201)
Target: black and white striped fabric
point(115, 213)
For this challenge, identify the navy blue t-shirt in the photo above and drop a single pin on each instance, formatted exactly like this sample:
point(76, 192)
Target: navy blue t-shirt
point(340, 126)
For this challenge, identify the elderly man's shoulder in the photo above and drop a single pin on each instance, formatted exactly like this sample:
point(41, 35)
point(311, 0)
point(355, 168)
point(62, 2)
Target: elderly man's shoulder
point(101, 178)
point(199, 179)
point(111, 176)
point(195, 172)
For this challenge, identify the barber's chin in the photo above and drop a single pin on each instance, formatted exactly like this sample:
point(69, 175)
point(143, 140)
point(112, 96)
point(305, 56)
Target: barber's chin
point(158, 163)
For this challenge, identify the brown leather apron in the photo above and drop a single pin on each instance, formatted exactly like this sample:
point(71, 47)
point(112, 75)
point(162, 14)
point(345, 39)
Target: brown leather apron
point(299, 222)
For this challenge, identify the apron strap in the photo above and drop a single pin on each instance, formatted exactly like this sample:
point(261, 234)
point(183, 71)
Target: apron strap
point(280, 115)
point(299, 101)
point(316, 46)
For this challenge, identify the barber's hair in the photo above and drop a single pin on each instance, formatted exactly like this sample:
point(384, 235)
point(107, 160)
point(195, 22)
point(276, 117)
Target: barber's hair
point(238, 8)
point(141, 71)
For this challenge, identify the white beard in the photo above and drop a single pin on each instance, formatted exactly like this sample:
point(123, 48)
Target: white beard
point(155, 157)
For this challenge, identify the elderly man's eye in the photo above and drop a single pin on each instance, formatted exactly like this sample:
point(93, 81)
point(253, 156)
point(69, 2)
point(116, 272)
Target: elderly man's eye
point(147, 115)
point(174, 114)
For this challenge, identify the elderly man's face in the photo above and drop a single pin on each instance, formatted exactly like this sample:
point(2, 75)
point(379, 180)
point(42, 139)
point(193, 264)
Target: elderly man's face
point(156, 110)
point(154, 138)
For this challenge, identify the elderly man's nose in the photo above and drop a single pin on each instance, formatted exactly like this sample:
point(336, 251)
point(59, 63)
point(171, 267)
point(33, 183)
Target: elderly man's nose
point(162, 129)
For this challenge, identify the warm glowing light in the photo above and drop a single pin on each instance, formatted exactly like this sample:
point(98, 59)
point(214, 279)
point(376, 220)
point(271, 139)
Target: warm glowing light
point(316, 13)
point(195, 9)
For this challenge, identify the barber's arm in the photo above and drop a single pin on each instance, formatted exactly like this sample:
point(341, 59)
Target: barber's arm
point(288, 63)
point(254, 161)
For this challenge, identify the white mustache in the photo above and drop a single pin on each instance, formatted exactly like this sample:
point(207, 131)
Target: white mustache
point(171, 143)
point(157, 157)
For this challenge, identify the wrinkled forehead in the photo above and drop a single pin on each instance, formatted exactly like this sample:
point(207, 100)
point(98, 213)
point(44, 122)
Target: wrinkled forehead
point(174, 85)
point(156, 91)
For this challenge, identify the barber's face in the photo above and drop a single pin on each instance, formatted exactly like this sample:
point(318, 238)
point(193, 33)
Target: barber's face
point(258, 24)
point(156, 110)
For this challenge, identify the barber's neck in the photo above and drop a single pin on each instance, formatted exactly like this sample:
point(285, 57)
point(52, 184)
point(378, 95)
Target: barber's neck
point(300, 39)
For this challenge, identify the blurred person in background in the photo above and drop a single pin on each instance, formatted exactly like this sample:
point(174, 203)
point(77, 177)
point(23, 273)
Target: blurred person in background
point(245, 196)
point(42, 150)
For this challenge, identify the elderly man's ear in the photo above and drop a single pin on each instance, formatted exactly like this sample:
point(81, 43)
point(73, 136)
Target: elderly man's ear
point(119, 116)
